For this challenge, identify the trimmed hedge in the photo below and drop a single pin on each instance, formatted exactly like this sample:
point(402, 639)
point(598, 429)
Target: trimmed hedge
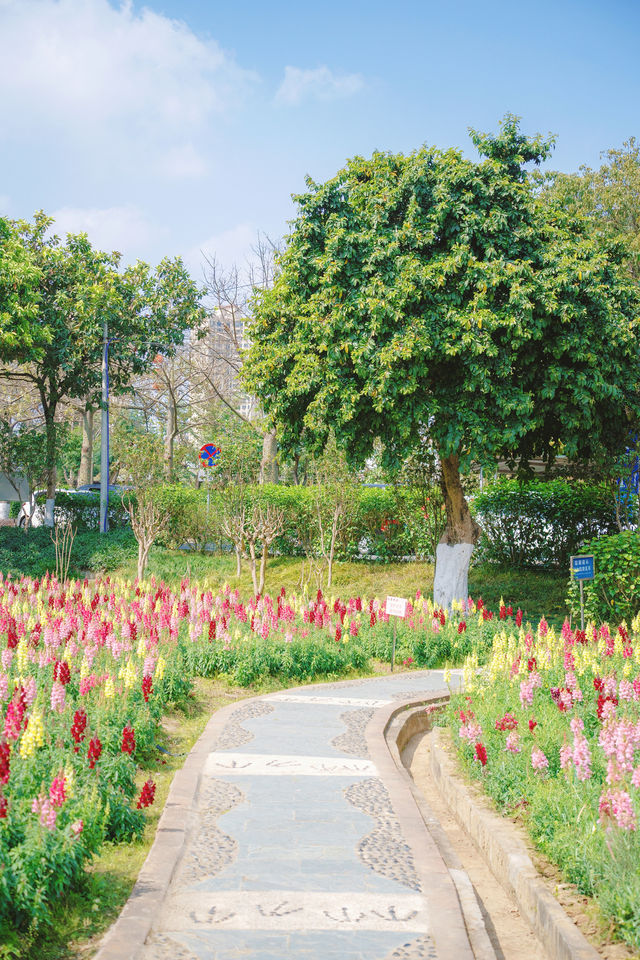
point(541, 524)
point(386, 524)
point(614, 593)
point(83, 510)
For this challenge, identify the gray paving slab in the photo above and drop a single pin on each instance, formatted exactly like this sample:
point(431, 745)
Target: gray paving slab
point(298, 843)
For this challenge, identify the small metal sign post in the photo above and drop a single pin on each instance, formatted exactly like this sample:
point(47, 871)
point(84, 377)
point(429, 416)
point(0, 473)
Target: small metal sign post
point(395, 607)
point(208, 456)
point(582, 568)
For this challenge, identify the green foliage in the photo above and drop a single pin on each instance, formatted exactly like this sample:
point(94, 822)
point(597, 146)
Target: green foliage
point(240, 444)
point(22, 454)
point(607, 199)
point(614, 594)
point(21, 338)
point(429, 289)
point(540, 523)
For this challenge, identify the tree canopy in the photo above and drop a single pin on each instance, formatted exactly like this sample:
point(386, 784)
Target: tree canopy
point(432, 290)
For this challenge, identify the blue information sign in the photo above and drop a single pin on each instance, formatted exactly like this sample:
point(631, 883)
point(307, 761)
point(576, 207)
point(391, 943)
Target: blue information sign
point(582, 567)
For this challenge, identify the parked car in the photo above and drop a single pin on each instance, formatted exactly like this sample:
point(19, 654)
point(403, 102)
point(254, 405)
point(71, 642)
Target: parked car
point(37, 517)
point(95, 488)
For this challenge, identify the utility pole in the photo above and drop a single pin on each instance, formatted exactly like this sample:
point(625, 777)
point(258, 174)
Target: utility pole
point(104, 438)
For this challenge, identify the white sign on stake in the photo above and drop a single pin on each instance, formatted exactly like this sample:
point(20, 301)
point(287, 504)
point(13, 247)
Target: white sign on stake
point(396, 606)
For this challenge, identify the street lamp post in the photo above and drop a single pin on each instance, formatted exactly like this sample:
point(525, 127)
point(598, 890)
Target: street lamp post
point(104, 438)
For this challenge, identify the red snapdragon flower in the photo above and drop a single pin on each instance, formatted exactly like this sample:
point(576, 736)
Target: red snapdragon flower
point(5, 758)
point(508, 722)
point(147, 687)
point(94, 751)
point(147, 795)
point(128, 740)
point(78, 727)
point(62, 672)
point(481, 753)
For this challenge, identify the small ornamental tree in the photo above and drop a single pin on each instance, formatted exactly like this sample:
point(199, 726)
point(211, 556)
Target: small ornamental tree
point(434, 293)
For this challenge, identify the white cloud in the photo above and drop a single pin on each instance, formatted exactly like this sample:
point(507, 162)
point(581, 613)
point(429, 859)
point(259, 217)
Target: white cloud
point(100, 74)
point(124, 228)
point(183, 162)
point(319, 84)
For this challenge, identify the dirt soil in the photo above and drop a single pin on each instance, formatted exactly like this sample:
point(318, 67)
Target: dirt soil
point(511, 935)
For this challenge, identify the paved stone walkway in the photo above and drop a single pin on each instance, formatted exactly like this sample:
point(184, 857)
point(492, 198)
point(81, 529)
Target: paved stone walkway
point(299, 847)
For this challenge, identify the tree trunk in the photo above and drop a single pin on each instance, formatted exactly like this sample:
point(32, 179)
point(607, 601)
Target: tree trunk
point(172, 432)
point(85, 473)
point(263, 568)
point(453, 553)
point(50, 426)
point(252, 564)
point(4, 509)
point(238, 549)
point(143, 556)
point(269, 472)
point(332, 549)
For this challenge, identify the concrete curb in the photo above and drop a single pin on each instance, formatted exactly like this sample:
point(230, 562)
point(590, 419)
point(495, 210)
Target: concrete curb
point(450, 936)
point(401, 728)
point(502, 848)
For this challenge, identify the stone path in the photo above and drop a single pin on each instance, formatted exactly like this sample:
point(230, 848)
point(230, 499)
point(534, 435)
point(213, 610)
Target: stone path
point(301, 843)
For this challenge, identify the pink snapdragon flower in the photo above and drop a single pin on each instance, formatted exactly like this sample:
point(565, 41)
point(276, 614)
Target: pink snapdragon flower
point(617, 805)
point(513, 742)
point(539, 761)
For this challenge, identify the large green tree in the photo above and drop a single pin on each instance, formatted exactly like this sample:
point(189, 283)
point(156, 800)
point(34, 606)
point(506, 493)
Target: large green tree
point(434, 293)
point(77, 289)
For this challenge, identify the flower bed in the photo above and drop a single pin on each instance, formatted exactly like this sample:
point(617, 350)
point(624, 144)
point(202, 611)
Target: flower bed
point(551, 726)
point(87, 669)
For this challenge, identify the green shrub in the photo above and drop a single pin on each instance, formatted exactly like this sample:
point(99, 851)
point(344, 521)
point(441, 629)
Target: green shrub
point(83, 509)
point(387, 524)
point(33, 553)
point(614, 594)
point(542, 523)
point(189, 520)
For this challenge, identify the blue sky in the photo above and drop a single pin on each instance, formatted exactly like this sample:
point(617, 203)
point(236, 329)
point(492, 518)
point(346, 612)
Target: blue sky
point(179, 126)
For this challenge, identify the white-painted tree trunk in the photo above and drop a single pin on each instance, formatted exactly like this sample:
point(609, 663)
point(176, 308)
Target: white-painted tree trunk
point(4, 509)
point(451, 580)
point(48, 512)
